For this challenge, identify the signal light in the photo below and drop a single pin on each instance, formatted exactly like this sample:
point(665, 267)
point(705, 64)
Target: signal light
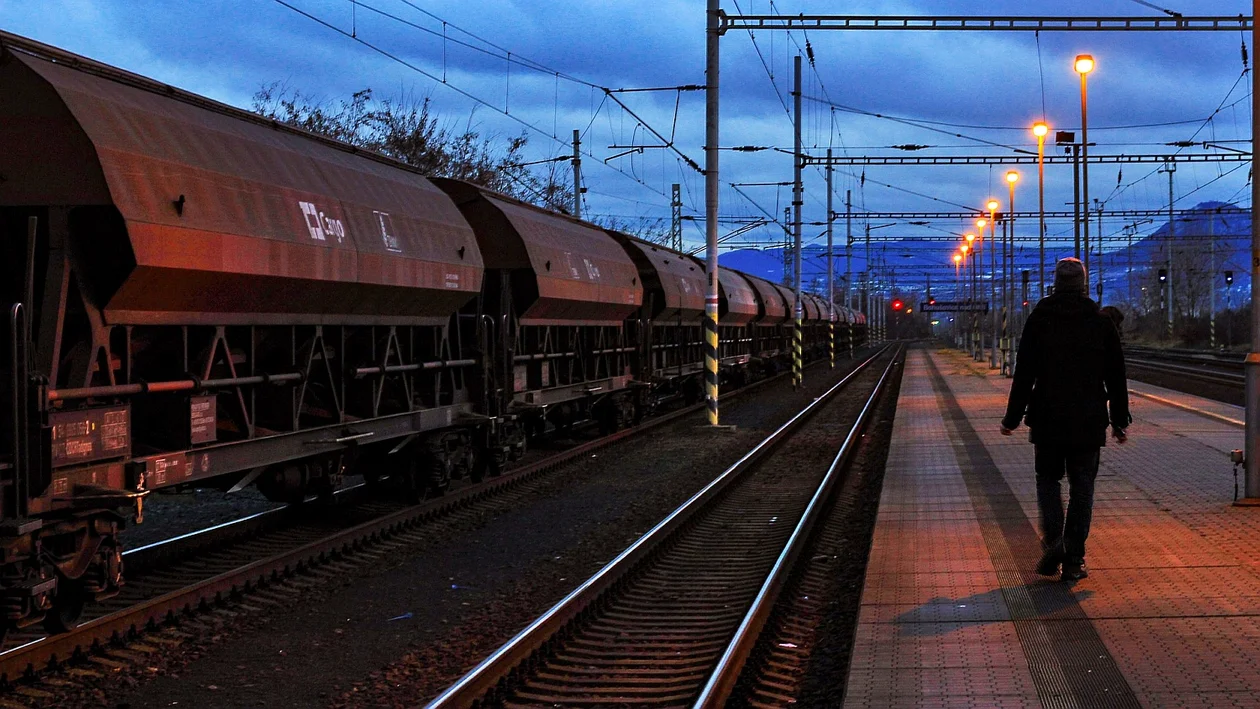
point(1163, 275)
point(932, 301)
point(898, 305)
point(1229, 278)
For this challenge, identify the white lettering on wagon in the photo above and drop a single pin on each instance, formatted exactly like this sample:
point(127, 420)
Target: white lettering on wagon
point(452, 281)
point(320, 225)
point(388, 236)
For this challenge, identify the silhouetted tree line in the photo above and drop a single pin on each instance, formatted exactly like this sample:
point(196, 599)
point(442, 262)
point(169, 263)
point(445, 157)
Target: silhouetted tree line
point(1193, 276)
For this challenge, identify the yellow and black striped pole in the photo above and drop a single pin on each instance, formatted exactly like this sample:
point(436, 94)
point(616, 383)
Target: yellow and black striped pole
point(831, 340)
point(797, 370)
point(712, 189)
point(711, 359)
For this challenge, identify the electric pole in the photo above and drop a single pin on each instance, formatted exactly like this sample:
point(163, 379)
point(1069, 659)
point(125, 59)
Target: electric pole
point(675, 224)
point(848, 250)
point(831, 273)
point(797, 199)
point(1252, 451)
point(577, 174)
point(1170, 167)
point(712, 191)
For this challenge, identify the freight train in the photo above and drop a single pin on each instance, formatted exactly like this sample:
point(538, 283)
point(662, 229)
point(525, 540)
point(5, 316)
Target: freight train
point(197, 295)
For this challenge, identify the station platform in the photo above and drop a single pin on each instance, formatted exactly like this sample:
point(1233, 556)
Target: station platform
point(952, 613)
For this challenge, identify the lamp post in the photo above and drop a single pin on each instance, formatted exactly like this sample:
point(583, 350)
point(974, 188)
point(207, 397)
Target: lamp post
point(977, 318)
point(957, 290)
point(1084, 65)
point(1251, 458)
point(969, 288)
point(1041, 130)
point(993, 342)
point(1009, 268)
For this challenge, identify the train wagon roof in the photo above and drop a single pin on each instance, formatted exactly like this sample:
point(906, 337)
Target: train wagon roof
point(827, 314)
point(738, 298)
point(789, 298)
point(823, 313)
point(582, 274)
point(227, 216)
point(809, 307)
point(674, 278)
point(774, 309)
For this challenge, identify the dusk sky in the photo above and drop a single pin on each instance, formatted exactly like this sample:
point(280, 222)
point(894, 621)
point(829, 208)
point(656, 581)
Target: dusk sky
point(985, 86)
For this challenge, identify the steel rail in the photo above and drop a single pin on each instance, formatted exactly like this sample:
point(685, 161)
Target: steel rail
point(30, 658)
point(1209, 357)
point(1181, 370)
point(717, 690)
point(503, 662)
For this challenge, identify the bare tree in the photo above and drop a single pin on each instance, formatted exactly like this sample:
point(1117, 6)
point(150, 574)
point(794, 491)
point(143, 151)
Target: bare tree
point(407, 130)
point(655, 231)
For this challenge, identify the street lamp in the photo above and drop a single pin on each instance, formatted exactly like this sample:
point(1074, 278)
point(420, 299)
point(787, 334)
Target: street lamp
point(1008, 269)
point(1041, 130)
point(977, 343)
point(1084, 65)
point(957, 291)
point(992, 206)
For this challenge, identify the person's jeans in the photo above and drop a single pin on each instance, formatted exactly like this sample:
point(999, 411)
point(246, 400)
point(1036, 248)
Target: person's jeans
point(1081, 467)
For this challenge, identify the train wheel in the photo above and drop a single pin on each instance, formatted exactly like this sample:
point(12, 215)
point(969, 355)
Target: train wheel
point(435, 468)
point(518, 444)
point(286, 482)
point(437, 476)
point(479, 463)
point(67, 606)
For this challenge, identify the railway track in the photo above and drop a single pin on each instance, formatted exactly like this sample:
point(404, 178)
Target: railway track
point(1205, 367)
point(199, 571)
point(673, 619)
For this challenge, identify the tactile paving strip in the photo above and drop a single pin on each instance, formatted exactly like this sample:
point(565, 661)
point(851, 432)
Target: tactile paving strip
point(1070, 664)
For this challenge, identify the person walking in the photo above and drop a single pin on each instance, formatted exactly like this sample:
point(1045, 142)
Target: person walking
point(1069, 385)
point(1117, 318)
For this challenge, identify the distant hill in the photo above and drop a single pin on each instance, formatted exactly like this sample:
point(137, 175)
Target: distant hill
point(904, 260)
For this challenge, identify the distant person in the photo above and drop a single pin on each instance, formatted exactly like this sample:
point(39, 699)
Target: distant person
point(1069, 368)
point(1117, 318)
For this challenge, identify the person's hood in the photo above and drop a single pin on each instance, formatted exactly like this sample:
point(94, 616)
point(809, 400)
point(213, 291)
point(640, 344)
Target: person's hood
point(1068, 304)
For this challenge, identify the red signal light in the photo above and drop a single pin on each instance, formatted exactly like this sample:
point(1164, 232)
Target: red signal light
point(898, 305)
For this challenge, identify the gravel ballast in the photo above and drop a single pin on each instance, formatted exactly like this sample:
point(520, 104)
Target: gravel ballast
point(417, 621)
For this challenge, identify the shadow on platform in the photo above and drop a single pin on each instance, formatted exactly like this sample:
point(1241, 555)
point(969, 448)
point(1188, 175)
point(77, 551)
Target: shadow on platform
point(1040, 600)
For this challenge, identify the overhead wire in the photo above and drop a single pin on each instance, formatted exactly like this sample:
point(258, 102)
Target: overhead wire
point(476, 99)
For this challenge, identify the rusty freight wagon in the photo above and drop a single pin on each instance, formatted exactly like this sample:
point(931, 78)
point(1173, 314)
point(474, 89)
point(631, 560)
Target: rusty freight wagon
point(200, 293)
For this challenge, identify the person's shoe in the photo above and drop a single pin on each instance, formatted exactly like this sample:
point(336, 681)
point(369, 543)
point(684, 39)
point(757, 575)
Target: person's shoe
point(1050, 560)
point(1074, 570)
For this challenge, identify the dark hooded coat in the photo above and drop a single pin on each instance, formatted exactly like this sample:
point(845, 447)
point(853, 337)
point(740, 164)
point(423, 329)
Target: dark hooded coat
point(1069, 374)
